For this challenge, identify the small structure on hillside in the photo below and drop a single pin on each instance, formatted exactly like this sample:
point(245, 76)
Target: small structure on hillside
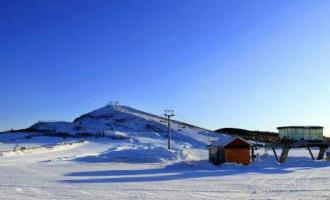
point(230, 149)
point(311, 133)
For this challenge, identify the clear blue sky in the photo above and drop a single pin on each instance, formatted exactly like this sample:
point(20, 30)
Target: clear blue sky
point(254, 64)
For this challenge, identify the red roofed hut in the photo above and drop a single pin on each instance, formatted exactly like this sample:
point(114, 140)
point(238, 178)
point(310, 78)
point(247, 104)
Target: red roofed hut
point(230, 149)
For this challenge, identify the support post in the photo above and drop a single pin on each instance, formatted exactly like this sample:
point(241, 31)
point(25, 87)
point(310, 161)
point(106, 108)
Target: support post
point(169, 132)
point(169, 114)
point(322, 152)
point(252, 154)
point(310, 152)
point(284, 154)
point(274, 150)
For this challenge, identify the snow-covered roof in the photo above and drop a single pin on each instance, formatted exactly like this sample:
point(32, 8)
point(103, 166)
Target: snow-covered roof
point(223, 141)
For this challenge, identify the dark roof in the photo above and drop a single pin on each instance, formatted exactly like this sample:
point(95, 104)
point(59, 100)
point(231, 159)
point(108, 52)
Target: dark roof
point(304, 127)
point(244, 131)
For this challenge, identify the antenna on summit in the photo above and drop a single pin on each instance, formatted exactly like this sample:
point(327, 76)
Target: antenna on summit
point(110, 103)
point(116, 105)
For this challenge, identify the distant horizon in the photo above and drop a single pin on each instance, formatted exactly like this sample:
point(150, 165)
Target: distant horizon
point(252, 64)
point(174, 118)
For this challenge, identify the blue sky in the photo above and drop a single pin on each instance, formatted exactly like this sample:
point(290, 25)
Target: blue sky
point(253, 64)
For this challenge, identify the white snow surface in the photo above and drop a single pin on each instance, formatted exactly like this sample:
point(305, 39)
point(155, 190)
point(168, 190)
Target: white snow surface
point(104, 168)
point(142, 168)
point(132, 161)
point(125, 119)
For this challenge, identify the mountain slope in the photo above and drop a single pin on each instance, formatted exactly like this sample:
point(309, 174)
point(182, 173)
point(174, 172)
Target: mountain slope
point(125, 119)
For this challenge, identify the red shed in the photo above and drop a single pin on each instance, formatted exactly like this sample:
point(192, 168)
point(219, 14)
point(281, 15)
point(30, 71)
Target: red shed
point(230, 149)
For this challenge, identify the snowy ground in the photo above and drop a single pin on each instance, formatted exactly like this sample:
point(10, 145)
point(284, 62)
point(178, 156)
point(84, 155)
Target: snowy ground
point(129, 169)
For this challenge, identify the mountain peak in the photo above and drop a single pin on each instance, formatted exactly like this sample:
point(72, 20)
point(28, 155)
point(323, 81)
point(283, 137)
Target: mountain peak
point(126, 119)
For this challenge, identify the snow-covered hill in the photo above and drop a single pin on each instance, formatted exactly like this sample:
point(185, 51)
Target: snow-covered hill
point(133, 136)
point(110, 119)
point(133, 162)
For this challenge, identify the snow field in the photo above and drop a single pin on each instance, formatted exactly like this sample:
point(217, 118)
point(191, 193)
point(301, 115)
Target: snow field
point(110, 169)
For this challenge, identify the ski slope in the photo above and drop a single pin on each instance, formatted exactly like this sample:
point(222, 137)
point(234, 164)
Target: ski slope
point(129, 159)
point(126, 119)
point(140, 167)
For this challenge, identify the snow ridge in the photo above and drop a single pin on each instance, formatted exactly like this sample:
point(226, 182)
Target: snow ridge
point(125, 119)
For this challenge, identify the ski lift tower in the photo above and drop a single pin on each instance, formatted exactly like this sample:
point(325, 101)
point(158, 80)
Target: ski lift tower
point(110, 103)
point(116, 105)
point(169, 114)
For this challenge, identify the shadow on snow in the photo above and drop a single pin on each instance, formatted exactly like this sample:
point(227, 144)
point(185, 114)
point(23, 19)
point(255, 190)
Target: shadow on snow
point(192, 170)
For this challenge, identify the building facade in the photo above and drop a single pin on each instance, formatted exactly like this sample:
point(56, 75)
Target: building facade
point(231, 150)
point(301, 132)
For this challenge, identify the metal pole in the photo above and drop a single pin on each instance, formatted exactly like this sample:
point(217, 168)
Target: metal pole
point(169, 132)
point(169, 114)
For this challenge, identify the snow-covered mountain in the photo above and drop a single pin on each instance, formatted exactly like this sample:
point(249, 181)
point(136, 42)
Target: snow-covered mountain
point(109, 119)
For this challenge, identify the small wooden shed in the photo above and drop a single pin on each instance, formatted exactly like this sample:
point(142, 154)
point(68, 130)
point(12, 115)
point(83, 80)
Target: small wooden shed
point(230, 149)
